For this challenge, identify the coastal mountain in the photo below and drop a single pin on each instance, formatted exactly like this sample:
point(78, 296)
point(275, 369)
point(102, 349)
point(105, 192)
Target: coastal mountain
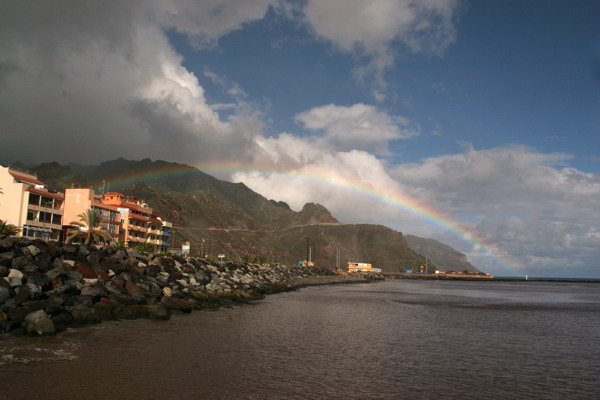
point(220, 217)
point(440, 255)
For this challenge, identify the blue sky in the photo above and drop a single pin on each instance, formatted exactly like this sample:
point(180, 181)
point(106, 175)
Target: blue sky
point(486, 111)
point(519, 72)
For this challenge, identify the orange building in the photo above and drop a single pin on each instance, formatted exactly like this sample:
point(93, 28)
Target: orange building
point(77, 201)
point(139, 223)
point(28, 204)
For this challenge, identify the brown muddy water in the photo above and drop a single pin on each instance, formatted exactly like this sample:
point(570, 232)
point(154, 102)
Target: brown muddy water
point(387, 340)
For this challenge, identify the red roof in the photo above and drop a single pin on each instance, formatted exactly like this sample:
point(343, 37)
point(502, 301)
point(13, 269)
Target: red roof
point(26, 178)
point(105, 206)
point(44, 193)
point(137, 216)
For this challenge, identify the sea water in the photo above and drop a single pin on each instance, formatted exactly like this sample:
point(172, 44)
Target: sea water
point(390, 340)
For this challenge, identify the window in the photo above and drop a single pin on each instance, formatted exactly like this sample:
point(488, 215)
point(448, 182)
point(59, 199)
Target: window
point(31, 216)
point(56, 219)
point(45, 217)
point(34, 199)
point(47, 202)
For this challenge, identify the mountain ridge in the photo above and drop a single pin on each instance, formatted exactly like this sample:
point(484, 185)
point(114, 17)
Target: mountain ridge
point(229, 218)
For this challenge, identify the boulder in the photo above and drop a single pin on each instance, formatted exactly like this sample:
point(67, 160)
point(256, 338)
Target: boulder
point(158, 312)
point(6, 261)
point(62, 320)
point(6, 244)
point(57, 273)
point(103, 311)
point(69, 249)
point(86, 271)
point(39, 323)
point(125, 313)
point(83, 315)
point(15, 273)
point(44, 261)
point(22, 294)
point(14, 282)
point(31, 250)
point(76, 276)
point(37, 278)
point(123, 299)
point(4, 294)
point(83, 251)
point(172, 303)
point(58, 263)
point(94, 257)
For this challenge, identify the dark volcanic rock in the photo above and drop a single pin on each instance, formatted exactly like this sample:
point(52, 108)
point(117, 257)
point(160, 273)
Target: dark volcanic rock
point(45, 288)
point(39, 323)
point(86, 271)
point(83, 315)
point(6, 261)
point(171, 303)
point(4, 294)
point(37, 278)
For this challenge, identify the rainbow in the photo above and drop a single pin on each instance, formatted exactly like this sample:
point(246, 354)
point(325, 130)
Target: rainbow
point(395, 199)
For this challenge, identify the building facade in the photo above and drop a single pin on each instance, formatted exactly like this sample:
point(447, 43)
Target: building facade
point(38, 212)
point(77, 201)
point(27, 203)
point(140, 223)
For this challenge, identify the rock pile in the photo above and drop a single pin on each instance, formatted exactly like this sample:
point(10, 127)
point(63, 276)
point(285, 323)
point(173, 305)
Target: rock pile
point(47, 286)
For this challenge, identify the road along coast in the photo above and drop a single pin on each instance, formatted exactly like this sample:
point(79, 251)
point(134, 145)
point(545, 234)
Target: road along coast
point(46, 287)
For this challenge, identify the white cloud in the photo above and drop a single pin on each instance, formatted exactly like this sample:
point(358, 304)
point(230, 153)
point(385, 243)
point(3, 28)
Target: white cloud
point(360, 126)
point(375, 28)
point(205, 21)
point(91, 81)
point(527, 204)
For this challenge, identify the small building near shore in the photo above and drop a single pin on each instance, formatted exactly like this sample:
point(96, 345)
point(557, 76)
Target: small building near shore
point(361, 267)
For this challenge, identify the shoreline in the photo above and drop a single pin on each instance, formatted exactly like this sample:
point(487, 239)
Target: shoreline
point(46, 287)
point(471, 278)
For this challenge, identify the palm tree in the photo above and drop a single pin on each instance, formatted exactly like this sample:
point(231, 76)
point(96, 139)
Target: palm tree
point(90, 228)
point(145, 247)
point(8, 229)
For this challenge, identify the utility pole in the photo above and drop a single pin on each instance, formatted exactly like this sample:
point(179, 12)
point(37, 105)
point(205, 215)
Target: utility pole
point(307, 250)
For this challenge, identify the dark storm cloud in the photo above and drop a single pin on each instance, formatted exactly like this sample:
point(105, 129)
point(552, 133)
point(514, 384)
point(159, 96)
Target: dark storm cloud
point(90, 81)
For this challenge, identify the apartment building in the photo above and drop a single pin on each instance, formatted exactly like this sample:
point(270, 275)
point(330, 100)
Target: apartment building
point(77, 201)
point(27, 203)
point(139, 223)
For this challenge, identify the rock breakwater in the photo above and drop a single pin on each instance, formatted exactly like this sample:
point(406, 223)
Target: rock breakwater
point(46, 287)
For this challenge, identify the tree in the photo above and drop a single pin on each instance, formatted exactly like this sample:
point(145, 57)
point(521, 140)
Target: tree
point(145, 247)
point(8, 229)
point(90, 230)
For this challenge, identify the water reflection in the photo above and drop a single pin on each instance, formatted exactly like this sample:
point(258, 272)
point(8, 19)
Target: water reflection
point(395, 339)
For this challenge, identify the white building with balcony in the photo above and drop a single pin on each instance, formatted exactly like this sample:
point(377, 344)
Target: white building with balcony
point(27, 203)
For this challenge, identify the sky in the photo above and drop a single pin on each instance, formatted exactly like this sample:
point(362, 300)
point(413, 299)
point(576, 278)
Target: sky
point(485, 113)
